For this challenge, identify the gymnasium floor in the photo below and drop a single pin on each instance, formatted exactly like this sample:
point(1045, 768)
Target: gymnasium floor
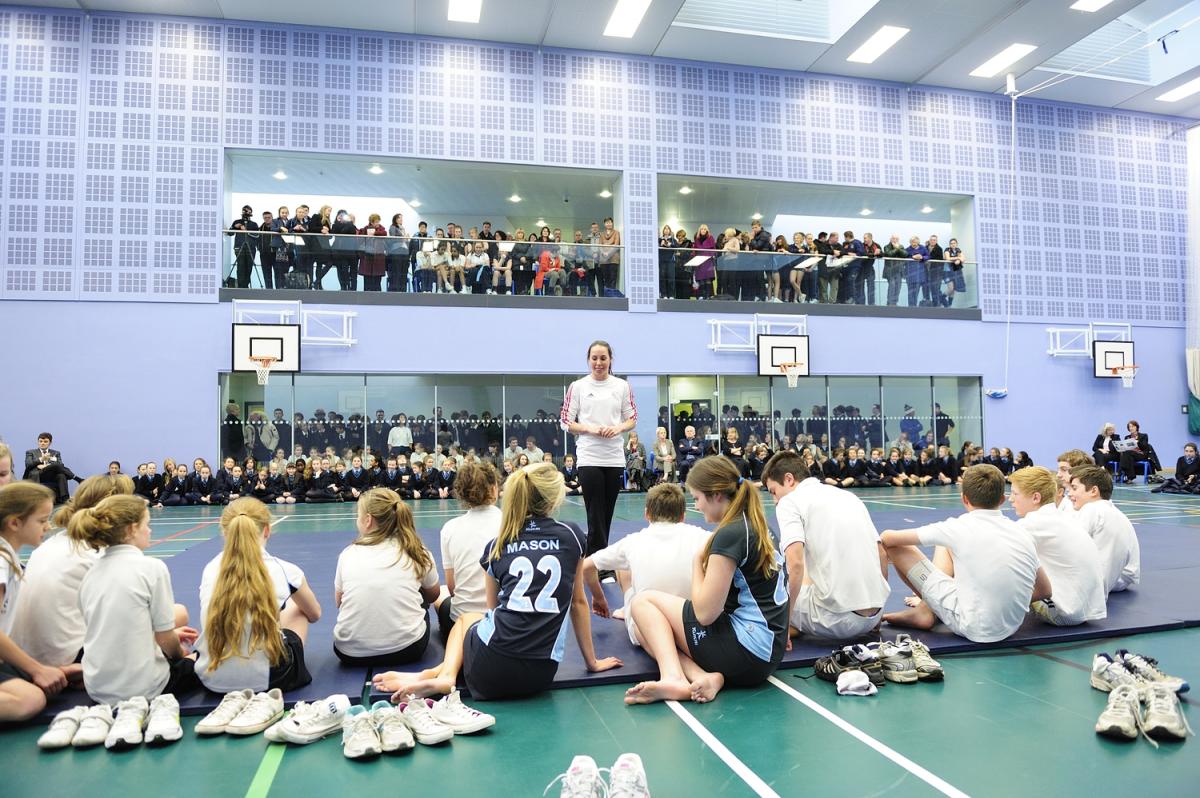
point(1005, 722)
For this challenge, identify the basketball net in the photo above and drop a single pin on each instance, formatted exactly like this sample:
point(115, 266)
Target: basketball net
point(262, 367)
point(792, 371)
point(1126, 373)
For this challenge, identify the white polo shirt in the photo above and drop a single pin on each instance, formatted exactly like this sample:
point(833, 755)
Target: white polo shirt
point(658, 557)
point(1117, 543)
point(605, 404)
point(126, 599)
point(49, 625)
point(463, 541)
point(381, 608)
point(10, 577)
point(1071, 561)
point(841, 545)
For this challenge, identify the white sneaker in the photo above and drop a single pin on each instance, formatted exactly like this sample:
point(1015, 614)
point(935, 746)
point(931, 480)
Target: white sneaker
point(1147, 668)
point(394, 734)
point(62, 729)
point(627, 778)
point(93, 726)
point(451, 711)
point(317, 720)
point(1164, 719)
point(418, 715)
point(1108, 673)
point(360, 738)
point(1122, 717)
point(259, 712)
point(162, 724)
point(491, 292)
point(582, 780)
point(126, 731)
point(229, 708)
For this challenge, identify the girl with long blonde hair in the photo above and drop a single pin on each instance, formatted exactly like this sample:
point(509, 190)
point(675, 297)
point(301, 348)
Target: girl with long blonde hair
point(701, 645)
point(534, 579)
point(385, 581)
point(256, 610)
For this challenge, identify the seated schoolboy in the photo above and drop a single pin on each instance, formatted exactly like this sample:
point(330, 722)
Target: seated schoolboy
point(149, 484)
point(430, 479)
point(1066, 553)
point(878, 474)
point(446, 476)
point(984, 571)
point(234, 487)
point(1072, 458)
point(570, 474)
point(1120, 556)
point(837, 570)
point(389, 477)
point(658, 557)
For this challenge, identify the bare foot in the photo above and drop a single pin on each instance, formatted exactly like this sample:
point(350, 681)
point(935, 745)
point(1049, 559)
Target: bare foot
point(649, 692)
point(619, 613)
point(423, 688)
point(705, 688)
point(918, 617)
point(912, 601)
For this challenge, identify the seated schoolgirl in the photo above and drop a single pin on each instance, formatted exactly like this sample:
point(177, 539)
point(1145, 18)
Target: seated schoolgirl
point(430, 479)
point(477, 486)
point(570, 474)
point(256, 610)
point(176, 488)
point(385, 580)
point(25, 681)
point(260, 486)
point(734, 628)
point(390, 477)
point(322, 487)
point(446, 477)
point(136, 641)
point(356, 481)
point(533, 579)
point(204, 488)
point(290, 489)
point(149, 484)
point(234, 487)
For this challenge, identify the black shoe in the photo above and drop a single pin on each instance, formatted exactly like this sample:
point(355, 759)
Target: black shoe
point(607, 576)
point(78, 479)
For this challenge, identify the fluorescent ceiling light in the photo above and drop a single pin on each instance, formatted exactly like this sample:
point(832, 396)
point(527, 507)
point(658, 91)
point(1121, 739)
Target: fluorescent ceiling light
point(606, 193)
point(756, 217)
point(878, 44)
point(927, 209)
point(1090, 5)
point(515, 198)
point(540, 223)
point(1179, 92)
point(280, 175)
point(865, 212)
point(414, 203)
point(376, 169)
point(464, 10)
point(626, 18)
point(1002, 60)
point(685, 190)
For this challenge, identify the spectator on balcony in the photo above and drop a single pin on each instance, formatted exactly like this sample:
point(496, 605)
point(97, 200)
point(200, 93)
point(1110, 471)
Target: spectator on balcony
point(479, 268)
point(244, 244)
point(455, 269)
point(935, 268)
point(520, 260)
point(346, 250)
point(754, 284)
point(917, 273)
point(666, 262)
point(827, 273)
point(396, 261)
point(849, 287)
point(609, 256)
point(415, 247)
point(285, 254)
point(954, 272)
point(683, 282)
point(266, 253)
point(866, 272)
point(322, 253)
point(372, 263)
point(705, 274)
point(893, 268)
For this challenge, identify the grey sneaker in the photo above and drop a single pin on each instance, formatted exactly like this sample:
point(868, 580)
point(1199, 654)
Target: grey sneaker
point(1147, 669)
point(582, 780)
point(897, 662)
point(1122, 718)
point(928, 668)
point(1164, 719)
point(1109, 673)
point(627, 778)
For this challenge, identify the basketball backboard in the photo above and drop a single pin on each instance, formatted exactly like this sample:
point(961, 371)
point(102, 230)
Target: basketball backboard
point(280, 341)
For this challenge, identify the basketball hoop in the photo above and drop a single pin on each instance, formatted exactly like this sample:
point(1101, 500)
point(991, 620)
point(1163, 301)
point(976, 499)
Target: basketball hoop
point(1126, 373)
point(793, 372)
point(262, 367)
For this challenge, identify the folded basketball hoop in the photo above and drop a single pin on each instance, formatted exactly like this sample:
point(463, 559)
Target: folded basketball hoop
point(793, 372)
point(262, 367)
point(1126, 373)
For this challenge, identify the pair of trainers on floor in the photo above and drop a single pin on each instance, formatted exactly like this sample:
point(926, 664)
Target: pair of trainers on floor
point(626, 779)
point(137, 720)
point(385, 728)
point(1134, 681)
point(904, 661)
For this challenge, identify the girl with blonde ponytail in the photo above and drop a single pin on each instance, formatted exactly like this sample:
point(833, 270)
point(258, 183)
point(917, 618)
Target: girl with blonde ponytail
point(534, 579)
point(385, 581)
point(734, 628)
point(50, 627)
point(256, 609)
point(25, 510)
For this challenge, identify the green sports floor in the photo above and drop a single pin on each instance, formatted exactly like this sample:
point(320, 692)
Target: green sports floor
point(1004, 722)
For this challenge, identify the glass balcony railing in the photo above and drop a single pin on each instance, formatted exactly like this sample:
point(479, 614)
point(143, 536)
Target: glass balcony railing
point(790, 277)
point(368, 262)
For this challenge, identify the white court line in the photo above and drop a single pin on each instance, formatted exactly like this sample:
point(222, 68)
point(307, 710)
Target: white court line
point(1139, 518)
point(747, 775)
point(924, 775)
point(901, 504)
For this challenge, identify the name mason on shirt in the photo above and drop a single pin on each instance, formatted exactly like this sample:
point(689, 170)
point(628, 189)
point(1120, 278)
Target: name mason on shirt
point(531, 545)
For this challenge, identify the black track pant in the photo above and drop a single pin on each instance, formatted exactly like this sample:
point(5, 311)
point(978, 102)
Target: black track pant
point(600, 484)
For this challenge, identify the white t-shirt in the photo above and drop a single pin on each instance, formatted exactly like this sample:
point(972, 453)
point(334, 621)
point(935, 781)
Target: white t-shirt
point(995, 565)
point(1065, 506)
point(604, 404)
point(1117, 543)
point(381, 608)
point(658, 557)
point(49, 625)
point(241, 670)
point(463, 542)
point(400, 437)
point(1071, 561)
point(126, 599)
point(841, 545)
point(10, 577)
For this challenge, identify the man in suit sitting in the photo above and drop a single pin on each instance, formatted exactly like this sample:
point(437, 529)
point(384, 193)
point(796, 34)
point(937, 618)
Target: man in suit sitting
point(45, 465)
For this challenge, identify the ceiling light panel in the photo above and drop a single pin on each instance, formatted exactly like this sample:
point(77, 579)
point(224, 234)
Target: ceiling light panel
point(1090, 5)
point(879, 43)
point(464, 11)
point(1179, 92)
point(1002, 60)
point(626, 18)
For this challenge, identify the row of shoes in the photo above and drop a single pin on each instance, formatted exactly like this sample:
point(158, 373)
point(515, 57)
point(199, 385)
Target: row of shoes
point(137, 720)
point(904, 660)
point(1142, 699)
point(626, 779)
point(366, 732)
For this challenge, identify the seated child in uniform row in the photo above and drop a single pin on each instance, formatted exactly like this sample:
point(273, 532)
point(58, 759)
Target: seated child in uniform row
point(984, 571)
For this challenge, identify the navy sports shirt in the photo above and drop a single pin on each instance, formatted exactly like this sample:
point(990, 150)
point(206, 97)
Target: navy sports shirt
point(756, 605)
point(536, 573)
